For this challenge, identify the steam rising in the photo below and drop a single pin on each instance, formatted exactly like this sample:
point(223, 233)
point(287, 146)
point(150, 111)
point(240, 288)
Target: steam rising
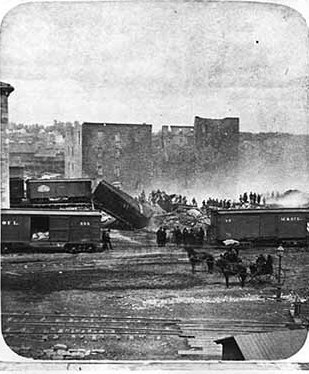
point(291, 199)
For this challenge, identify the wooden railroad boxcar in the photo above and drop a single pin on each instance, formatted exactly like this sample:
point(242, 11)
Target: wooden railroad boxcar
point(120, 205)
point(48, 190)
point(258, 225)
point(44, 229)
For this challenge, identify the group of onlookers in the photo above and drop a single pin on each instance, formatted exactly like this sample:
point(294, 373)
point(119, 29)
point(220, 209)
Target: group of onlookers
point(160, 196)
point(245, 200)
point(185, 237)
point(252, 198)
point(169, 201)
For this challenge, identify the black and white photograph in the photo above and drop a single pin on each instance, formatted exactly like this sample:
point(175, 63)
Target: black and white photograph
point(155, 183)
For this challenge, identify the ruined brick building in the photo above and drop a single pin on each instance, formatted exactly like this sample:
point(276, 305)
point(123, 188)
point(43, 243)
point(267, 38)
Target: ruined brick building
point(217, 153)
point(118, 153)
point(5, 91)
point(190, 156)
point(212, 157)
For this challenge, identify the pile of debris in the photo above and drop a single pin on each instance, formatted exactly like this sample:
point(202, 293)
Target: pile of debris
point(183, 217)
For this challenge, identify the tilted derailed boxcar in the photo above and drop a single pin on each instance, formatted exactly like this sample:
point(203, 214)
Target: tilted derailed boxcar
point(59, 190)
point(39, 229)
point(290, 225)
point(120, 205)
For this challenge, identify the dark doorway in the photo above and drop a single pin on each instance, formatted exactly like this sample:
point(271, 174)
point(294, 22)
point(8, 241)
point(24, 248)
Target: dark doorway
point(39, 228)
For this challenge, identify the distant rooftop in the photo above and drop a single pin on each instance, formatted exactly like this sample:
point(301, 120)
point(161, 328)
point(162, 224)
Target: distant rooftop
point(116, 124)
point(268, 346)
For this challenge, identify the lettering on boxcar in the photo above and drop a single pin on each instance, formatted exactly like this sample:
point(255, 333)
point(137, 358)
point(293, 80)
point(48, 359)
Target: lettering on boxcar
point(84, 223)
point(9, 222)
point(290, 219)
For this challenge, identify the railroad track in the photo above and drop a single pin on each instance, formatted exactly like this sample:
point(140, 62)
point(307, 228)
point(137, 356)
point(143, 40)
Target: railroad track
point(11, 266)
point(24, 323)
point(61, 324)
point(198, 334)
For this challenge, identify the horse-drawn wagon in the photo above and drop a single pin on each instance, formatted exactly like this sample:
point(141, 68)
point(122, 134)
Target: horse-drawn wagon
point(231, 264)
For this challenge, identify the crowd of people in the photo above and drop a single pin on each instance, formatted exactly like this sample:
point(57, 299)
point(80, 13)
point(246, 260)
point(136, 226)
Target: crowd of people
point(186, 237)
point(252, 198)
point(165, 200)
point(245, 200)
point(224, 204)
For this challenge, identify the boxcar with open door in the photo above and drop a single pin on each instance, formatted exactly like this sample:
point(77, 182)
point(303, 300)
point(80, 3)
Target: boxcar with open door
point(50, 229)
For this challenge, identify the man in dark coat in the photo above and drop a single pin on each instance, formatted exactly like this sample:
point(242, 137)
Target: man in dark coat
point(160, 234)
point(260, 263)
point(185, 236)
point(177, 236)
point(269, 269)
point(106, 240)
point(191, 238)
point(200, 236)
point(164, 237)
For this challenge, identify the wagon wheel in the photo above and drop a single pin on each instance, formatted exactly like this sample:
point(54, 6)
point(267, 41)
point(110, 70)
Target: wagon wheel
point(89, 248)
point(71, 248)
point(255, 279)
point(5, 248)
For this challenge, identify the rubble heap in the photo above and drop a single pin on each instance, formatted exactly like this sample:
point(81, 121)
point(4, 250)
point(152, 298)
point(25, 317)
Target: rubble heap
point(182, 217)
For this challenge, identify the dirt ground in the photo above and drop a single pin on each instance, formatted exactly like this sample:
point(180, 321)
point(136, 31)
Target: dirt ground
point(137, 279)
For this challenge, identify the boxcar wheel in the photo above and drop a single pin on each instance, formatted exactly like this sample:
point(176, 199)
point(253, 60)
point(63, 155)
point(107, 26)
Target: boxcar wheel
point(5, 249)
point(90, 248)
point(71, 248)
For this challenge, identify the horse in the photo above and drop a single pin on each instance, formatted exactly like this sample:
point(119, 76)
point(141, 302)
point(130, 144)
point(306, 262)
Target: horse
point(232, 269)
point(198, 257)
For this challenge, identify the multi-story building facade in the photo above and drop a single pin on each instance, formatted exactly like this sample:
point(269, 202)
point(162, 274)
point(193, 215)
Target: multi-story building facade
point(217, 140)
point(118, 153)
point(5, 91)
point(212, 157)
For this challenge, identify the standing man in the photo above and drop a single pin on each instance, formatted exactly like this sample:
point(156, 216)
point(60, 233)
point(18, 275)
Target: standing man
point(177, 236)
point(106, 240)
point(164, 237)
point(159, 237)
point(185, 237)
point(200, 236)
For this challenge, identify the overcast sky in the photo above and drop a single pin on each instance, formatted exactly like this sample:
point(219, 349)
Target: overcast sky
point(157, 62)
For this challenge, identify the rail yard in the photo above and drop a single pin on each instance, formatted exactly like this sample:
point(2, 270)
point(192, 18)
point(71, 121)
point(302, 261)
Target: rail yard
point(138, 301)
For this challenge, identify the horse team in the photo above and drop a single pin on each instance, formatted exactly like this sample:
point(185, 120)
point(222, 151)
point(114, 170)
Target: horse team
point(230, 264)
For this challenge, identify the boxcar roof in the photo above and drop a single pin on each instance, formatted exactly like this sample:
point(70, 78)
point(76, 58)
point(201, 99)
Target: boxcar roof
point(261, 211)
point(59, 180)
point(41, 212)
